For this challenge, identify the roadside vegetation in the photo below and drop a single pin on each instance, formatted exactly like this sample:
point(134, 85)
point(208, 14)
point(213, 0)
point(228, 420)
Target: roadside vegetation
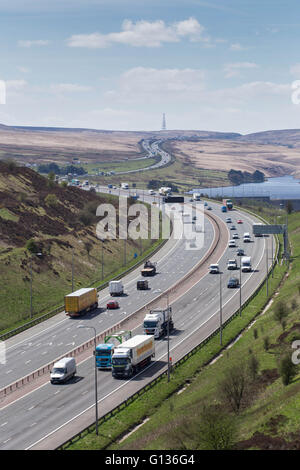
point(47, 231)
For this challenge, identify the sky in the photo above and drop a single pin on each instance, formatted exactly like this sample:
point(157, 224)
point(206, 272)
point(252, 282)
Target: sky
point(230, 66)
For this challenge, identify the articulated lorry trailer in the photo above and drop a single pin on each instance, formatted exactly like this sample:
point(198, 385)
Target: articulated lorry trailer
point(132, 356)
point(81, 302)
point(158, 321)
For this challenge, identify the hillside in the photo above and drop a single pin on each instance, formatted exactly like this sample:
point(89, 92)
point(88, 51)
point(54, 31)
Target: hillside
point(60, 224)
point(285, 137)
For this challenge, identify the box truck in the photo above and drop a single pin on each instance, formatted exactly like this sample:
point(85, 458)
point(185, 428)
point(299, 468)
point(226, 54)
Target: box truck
point(196, 196)
point(116, 288)
point(133, 355)
point(81, 301)
point(228, 203)
point(246, 264)
point(63, 370)
point(157, 321)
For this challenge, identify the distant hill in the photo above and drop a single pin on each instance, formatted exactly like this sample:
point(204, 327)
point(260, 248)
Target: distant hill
point(286, 137)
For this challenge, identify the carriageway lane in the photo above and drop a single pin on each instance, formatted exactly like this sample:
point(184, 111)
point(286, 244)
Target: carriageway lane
point(44, 343)
point(43, 412)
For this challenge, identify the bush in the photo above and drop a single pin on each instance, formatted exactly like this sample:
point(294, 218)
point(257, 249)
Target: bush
point(287, 369)
point(253, 365)
point(32, 246)
point(266, 343)
point(280, 312)
point(51, 200)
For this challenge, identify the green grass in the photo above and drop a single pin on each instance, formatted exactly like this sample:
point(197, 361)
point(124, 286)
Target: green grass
point(120, 166)
point(166, 409)
point(185, 177)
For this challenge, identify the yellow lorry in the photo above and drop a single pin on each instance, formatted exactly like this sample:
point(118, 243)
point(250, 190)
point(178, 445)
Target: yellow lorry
point(81, 301)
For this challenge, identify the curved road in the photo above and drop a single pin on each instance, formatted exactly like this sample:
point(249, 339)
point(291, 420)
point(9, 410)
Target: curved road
point(48, 415)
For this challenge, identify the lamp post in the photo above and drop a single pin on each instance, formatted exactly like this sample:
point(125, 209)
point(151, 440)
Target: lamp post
point(240, 287)
point(96, 391)
point(220, 308)
point(168, 337)
point(267, 278)
point(31, 287)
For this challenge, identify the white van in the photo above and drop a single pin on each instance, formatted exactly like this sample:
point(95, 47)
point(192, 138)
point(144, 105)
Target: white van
point(116, 288)
point(246, 237)
point(246, 264)
point(214, 269)
point(63, 370)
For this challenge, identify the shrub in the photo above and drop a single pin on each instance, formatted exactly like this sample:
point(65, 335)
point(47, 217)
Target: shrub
point(31, 246)
point(287, 369)
point(51, 200)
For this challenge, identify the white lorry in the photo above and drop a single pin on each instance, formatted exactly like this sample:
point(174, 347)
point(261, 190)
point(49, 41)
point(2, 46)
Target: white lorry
point(196, 196)
point(63, 370)
point(157, 322)
point(163, 191)
point(133, 355)
point(246, 264)
point(116, 288)
point(124, 185)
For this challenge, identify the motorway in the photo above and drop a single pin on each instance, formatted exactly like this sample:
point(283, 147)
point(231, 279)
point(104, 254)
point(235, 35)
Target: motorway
point(46, 416)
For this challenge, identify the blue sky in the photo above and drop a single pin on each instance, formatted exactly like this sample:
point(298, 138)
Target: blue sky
point(119, 64)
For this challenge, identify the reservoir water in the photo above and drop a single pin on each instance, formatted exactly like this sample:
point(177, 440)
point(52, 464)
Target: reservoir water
point(284, 187)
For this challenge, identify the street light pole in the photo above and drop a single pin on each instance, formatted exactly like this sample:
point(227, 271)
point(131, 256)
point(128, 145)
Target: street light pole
point(240, 287)
point(72, 269)
point(96, 389)
point(30, 286)
point(221, 308)
point(267, 279)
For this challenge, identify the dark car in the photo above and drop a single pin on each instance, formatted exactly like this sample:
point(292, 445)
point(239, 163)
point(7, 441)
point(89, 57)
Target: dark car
point(240, 252)
point(112, 304)
point(232, 227)
point(233, 282)
point(142, 285)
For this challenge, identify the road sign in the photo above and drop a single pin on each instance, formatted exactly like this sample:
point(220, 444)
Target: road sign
point(260, 229)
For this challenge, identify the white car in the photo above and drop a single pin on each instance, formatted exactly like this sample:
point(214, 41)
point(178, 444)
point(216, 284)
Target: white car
point(231, 244)
point(232, 264)
point(214, 269)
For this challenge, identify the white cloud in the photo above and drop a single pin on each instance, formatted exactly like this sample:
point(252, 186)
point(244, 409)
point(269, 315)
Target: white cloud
point(156, 84)
point(142, 34)
point(37, 42)
point(69, 88)
point(234, 69)
point(237, 47)
point(15, 85)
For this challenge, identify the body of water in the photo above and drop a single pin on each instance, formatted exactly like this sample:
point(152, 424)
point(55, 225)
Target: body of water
point(284, 187)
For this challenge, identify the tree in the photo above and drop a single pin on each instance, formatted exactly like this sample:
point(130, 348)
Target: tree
point(281, 312)
point(232, 388)
point(253, 365)
point(287, 369)
point(31, 246)
point(289, 207)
